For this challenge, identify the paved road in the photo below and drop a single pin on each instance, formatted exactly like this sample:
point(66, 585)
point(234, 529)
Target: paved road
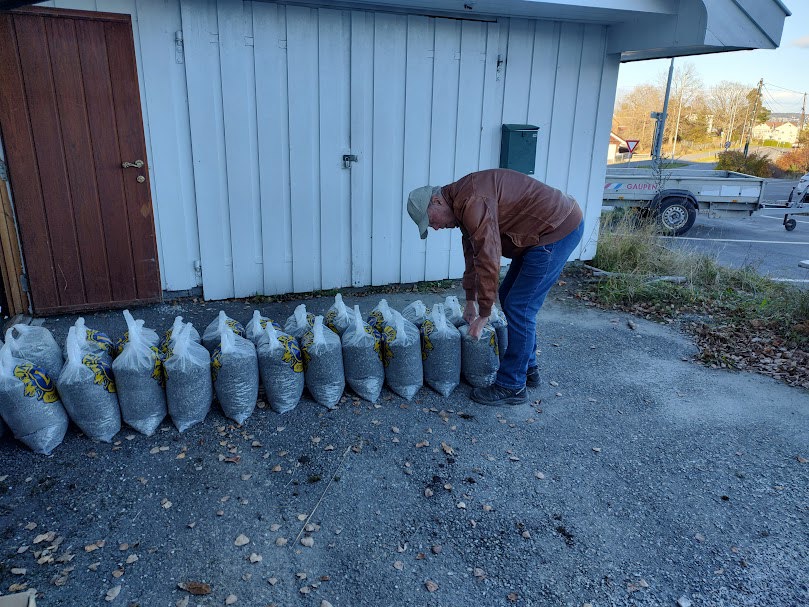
point(760, 241)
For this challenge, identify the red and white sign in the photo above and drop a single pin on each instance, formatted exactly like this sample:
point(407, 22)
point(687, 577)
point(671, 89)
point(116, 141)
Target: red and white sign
point(631, 144)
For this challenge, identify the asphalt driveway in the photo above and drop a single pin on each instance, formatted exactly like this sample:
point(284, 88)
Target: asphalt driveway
point(636, 477)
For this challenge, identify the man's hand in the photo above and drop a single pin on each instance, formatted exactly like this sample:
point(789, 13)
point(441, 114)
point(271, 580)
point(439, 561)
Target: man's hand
point(470, 312)
point(476, 327)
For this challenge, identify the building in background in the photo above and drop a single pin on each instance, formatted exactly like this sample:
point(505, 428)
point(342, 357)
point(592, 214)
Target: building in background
point(260, 148)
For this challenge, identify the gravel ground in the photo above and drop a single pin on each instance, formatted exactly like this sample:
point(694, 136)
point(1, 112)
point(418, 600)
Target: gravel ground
point(636, 477)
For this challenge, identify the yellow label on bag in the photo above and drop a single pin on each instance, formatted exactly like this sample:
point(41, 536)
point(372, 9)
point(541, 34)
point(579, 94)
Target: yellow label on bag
point(292, 353)
point(101, 370)
point(37, 384)
point(426, 345)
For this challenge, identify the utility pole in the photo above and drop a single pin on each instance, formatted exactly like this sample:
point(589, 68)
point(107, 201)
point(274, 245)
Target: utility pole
point(803, 113)
point(753, 117)
point(661, 118)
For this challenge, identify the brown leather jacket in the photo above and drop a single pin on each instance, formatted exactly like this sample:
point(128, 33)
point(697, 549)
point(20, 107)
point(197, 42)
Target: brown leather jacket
point(503, 212)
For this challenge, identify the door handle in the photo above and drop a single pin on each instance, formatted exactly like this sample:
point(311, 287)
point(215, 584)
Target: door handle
point(138, 164)
point(348, 159)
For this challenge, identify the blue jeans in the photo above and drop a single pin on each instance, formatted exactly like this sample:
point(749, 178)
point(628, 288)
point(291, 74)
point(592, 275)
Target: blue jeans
point(522, 294)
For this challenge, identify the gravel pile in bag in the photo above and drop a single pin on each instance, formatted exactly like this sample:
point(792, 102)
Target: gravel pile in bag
point(441, 352)
point(92, 341)
point(138, 372)
point(235, 375)
point(323, 364)
point(87, 390)
point(189, 387)
point(364, 372)
point(256, 326)
point(29, 404)
point(500, 324)
point(37, 346)
point(280, 365)
point(404, 373)
point(211, 336)
point(479, 358)
point(453, 310)
point(338, 317)
point(300, 322)
point(416, 312)
point(168, 338)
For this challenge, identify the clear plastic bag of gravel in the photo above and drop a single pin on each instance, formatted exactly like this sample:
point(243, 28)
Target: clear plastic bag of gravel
point(171, 335)
point(29, 404)
point(404, 373)
point(211, 335)
point(235, 375)
point(338, 317)
point(453, 310)
point(441, 352)
point(280, 365)
point(416, 312)
point(500, 324)
point(323, 364)
point(37, 346)
point(256, 327)
point(300, 322)
point(479, 358)
point(138, 373)
point(362, 359)
point(88, 391)
point(92, 341)
point(189, 387)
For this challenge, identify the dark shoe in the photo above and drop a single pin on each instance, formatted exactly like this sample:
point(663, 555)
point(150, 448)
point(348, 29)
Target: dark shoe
point(532, 377)
point(496, 395)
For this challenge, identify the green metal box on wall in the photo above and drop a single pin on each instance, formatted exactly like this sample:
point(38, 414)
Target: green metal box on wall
point(518, 147)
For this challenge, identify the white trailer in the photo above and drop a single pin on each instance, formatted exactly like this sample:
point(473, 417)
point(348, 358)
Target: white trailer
point(674, 197)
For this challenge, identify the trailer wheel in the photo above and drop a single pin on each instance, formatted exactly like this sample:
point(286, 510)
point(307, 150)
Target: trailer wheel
point(676, 216)
point(790, 225)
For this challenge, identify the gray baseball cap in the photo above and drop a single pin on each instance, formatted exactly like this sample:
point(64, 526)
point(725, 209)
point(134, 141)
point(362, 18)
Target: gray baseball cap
point(417, 202)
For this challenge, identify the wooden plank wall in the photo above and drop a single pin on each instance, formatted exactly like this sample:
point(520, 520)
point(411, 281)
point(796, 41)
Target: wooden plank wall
point(270, 97)
point(11, 269)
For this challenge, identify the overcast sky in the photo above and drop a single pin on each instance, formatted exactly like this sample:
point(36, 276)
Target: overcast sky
point(786, 67)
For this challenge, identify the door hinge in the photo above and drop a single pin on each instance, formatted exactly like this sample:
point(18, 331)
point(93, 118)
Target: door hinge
point(179, 52)
point(24, 283)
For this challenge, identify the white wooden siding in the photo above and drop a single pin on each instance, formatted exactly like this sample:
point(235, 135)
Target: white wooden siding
point(246, 137)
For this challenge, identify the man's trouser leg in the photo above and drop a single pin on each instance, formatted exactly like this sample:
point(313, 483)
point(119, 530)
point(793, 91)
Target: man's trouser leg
point(534, 275)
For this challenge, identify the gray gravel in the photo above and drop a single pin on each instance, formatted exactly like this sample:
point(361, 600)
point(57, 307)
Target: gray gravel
point(441, 352)
point(661, 480)
point(479, 357)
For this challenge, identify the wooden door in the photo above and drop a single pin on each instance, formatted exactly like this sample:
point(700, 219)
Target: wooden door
point(70, 116)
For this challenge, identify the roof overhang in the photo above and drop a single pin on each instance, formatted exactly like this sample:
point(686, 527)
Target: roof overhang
point(637, 29)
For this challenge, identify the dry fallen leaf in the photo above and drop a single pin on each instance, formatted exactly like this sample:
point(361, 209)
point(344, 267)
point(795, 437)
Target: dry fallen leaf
point(45, 537)
point(802, 460)
point(461, 506)
point(307, 541)
point(447, 449)
point(17, 587)
point(325, 603)
point(165, 503)
point(132, 558)
point(539, 475)
point(281, 541)
point(513, 597)
point(255, 558)
point(112, 593)
point(428, 492)
point(22, 549)
point(117, 573)
point(302, 517)
point(431, 586)
point(32, 526)
point(398, 565)
point(154, 450)
point(231, 598)
point(93, 566)
point(18, 571)
point(275, 527)
point(246, 477)
point(241, 540)
point(272, 581)
point(195, 588)
point(478, 572)
point(277, 468)
point(487, 508)
point(597, 449)
point(183, 602)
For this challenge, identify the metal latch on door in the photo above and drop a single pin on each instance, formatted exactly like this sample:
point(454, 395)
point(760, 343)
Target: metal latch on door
point(348, 159)
point(138, 164)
